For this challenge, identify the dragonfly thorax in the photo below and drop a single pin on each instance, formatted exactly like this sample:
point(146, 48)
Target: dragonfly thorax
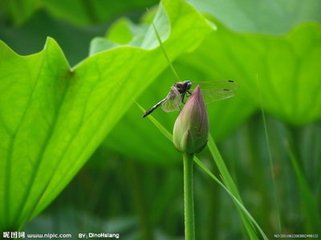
point(184, 86)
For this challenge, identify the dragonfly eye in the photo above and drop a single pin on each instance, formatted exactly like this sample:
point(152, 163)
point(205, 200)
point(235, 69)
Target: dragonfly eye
point(188, 85)
point(182, 87)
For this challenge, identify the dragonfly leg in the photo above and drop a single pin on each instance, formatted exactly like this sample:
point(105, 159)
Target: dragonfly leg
point(183, 96)
point(187, 93)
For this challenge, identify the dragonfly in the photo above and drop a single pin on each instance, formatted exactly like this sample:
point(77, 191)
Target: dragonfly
point(212, 91)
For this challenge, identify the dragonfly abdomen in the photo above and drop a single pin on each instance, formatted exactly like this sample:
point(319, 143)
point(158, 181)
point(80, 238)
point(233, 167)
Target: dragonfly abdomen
point(154, 107)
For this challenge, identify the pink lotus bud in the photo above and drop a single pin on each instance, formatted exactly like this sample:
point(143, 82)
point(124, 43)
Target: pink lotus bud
point(190, 131)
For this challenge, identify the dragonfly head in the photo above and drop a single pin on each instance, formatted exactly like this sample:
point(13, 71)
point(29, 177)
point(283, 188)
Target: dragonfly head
point(184, 86)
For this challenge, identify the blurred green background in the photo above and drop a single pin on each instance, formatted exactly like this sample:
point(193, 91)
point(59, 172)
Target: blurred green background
point(132, 183)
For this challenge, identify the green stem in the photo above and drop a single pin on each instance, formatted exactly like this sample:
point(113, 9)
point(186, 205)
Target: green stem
point(188, 197)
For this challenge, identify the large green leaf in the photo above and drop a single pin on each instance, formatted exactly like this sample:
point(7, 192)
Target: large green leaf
point(52, 117)
point(264, 16)
point(281, 73)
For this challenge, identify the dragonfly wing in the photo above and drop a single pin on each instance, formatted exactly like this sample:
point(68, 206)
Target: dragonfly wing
point(218, 90)
point(173, 101)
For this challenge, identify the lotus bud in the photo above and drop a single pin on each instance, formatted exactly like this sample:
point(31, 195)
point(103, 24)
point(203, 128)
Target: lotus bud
point(190, 131)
